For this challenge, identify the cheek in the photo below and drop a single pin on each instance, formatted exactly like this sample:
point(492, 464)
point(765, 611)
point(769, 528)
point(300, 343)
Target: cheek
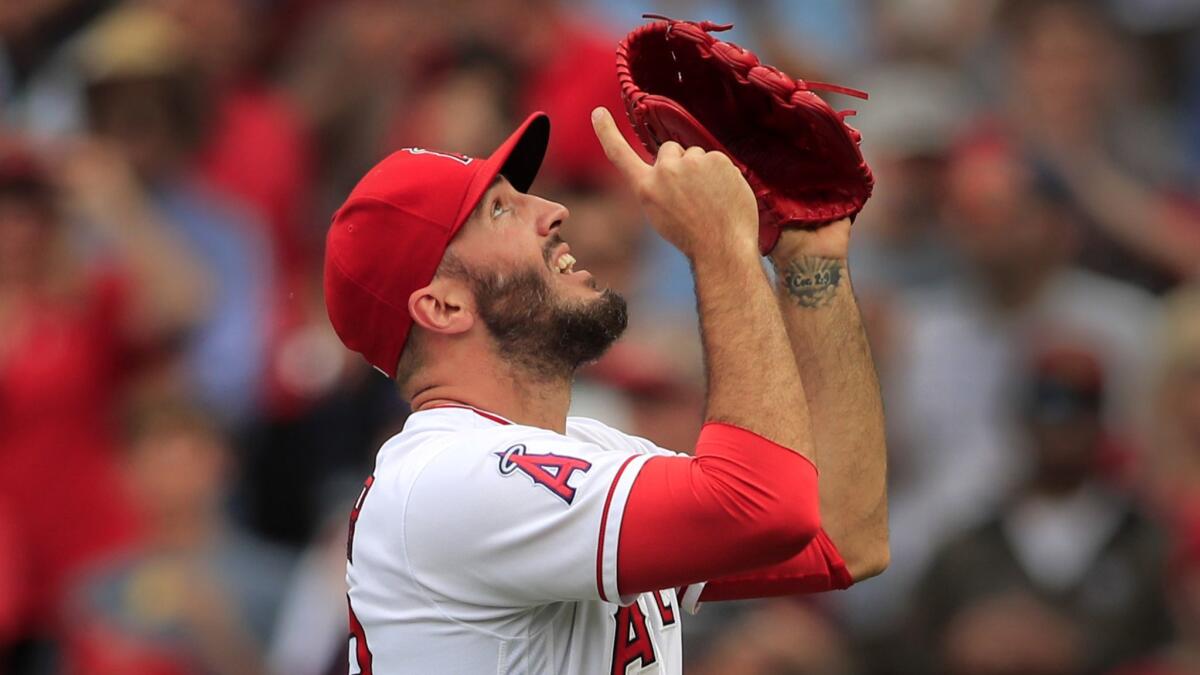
point(1189, 402)
point(23, 238)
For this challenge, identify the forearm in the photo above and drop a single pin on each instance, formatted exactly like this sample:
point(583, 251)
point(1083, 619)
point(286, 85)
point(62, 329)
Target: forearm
point(172, 285)
point(1134, 215)
point(102, 192)
point(832, 354)
point(752, 380)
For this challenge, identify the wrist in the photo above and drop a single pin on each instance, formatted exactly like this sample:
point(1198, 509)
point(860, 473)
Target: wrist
point(725, 258)
point(831, 241)
point(728, 250)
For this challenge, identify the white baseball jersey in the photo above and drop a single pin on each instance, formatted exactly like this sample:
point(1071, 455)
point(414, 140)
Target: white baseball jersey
point(481, 546)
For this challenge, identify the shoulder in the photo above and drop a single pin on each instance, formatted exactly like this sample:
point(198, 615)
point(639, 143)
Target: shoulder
point(205, 212)
point(1082, 290)
point(482, 456)
point(600, 434)
point(1114, 313)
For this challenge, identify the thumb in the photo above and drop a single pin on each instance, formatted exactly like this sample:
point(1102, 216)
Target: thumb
point(616, 148)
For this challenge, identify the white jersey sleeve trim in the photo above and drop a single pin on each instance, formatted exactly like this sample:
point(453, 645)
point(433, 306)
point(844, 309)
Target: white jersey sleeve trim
point(610, 531)
point(689, 597)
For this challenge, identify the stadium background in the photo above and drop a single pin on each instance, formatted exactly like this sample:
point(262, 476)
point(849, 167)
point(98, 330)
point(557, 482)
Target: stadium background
point(181, 434)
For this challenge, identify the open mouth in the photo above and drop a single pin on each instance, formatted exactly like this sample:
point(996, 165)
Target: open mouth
point(561, 260)
point(565, 263)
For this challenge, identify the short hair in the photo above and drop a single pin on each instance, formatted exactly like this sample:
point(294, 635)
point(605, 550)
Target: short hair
point(1017, 17)
point(149, 416)
point(180, 96)
point(24, 178)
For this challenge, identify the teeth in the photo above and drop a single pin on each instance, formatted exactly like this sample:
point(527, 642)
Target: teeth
point(565, 262)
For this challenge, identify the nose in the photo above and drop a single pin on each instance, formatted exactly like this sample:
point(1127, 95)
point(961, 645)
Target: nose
point(552, 216)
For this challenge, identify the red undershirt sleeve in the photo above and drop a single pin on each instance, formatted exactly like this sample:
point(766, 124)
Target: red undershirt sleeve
point(819, 567)
point(742, 503)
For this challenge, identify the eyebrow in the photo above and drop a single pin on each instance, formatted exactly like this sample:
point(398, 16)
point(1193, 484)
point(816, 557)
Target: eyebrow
point(484, 199)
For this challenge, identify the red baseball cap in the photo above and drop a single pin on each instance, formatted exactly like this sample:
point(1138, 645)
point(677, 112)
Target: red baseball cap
point(388, 238)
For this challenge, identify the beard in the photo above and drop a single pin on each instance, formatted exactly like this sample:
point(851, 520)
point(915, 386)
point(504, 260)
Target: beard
point(545, 335)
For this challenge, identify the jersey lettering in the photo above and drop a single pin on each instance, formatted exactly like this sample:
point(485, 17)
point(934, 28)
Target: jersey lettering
point(665, 610)
point(632, 642)
point(360, 653)
point(362, 496)
point(550, 471)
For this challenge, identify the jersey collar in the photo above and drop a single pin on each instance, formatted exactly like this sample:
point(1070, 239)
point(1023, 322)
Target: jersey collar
point(490, 416)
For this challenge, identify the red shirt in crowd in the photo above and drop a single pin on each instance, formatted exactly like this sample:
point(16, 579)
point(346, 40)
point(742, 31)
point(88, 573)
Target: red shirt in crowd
point(62, 363)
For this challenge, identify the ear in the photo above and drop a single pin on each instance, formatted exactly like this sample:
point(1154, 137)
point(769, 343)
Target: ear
point(444, 306)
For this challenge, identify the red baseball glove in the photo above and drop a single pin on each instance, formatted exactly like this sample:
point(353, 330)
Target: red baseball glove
point(800, 157)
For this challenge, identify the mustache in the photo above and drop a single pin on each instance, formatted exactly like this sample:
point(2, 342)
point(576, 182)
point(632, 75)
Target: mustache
point(551, 244)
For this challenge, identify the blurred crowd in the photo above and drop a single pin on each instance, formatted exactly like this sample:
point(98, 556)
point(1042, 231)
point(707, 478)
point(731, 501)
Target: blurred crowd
point(182, 435)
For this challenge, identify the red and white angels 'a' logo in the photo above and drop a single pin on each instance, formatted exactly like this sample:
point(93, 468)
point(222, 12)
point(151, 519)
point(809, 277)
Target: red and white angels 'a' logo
point(550, 471)
point(460, 158)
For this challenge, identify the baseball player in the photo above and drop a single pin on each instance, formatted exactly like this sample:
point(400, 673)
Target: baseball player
point(496, 534)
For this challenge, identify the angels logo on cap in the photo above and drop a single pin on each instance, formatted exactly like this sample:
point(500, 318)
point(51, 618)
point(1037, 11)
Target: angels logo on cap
point(448, 155)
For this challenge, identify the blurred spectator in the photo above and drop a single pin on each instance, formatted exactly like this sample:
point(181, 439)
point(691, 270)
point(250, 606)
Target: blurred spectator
point(1065, 577)
point(475, 77)
point(354, 67)
point(960, 348)
point(160, 217)
point(1076, 102)
point(144, 99)
point(1182, 656)
point(311, 635)
point(13, 570)
point(779, 637)
point(254, 148)
point(565, 65)
point(824, 33)
point(943, 31)
point(196, 597)
point(898, 241)
point(1174, 464)
point(292, 469)
point(38, 84)
point(1173, 477)
point(646, 388)
point(75, 326)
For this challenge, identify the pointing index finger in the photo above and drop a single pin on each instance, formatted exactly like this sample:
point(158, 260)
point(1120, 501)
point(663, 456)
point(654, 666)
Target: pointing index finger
point(615, 146)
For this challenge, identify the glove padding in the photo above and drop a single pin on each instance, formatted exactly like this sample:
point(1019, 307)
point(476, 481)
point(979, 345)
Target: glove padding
point(802, 160)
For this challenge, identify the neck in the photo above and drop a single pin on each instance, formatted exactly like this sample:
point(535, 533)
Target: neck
point(516, 396)
point(182, 531)
point(1057, 486)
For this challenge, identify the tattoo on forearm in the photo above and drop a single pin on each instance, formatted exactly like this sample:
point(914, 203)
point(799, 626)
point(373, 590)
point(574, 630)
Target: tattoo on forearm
point(812, 281)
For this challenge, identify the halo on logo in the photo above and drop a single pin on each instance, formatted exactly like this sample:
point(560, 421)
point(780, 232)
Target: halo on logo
point(507, 466)
point(460, 158)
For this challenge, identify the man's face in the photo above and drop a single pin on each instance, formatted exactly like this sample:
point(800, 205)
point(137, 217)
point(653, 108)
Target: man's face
point(26, 236)
point(996, 219)
point(545, 315)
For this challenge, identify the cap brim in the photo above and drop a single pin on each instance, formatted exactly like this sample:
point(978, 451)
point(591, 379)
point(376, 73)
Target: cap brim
point(521, 155)
point(518, 159)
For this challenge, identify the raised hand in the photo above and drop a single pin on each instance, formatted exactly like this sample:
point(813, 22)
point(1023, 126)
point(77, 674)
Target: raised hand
point(696, 200)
